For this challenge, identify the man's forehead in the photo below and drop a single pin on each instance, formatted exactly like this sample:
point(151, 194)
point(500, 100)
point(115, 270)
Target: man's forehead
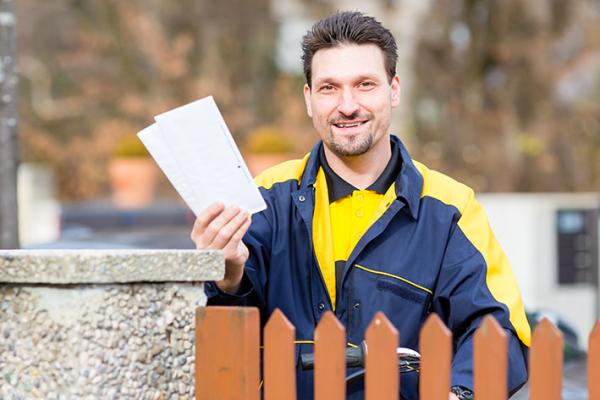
point(348, 61)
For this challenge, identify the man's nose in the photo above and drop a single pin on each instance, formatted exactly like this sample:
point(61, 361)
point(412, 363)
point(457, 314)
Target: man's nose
point(348, 104)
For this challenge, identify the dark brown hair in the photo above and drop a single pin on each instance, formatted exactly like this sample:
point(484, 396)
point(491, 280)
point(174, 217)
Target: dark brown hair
point(348, 27)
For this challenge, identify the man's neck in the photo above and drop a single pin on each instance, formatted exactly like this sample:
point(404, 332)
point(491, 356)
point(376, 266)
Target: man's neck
point(361, 171)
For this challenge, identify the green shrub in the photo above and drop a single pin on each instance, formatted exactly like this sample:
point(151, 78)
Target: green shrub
point(130, 146)
point(268, 139)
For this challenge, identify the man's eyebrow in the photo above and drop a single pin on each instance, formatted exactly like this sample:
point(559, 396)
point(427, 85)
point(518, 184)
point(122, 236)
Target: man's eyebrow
point(320, 81)
point(333, 80)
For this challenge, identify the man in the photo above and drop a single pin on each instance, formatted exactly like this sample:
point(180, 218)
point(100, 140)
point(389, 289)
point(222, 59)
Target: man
point(356, 226)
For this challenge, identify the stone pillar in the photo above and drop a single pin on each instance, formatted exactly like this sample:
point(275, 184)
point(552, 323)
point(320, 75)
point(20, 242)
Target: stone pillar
point(101, 324)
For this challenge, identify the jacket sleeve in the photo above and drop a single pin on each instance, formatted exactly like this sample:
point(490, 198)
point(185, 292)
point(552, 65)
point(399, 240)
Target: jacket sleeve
point(252, 289)
point(475, 280)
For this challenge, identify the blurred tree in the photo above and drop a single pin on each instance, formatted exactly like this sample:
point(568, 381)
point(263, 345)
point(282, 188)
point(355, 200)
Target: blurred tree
point(502, 94)
point(9, 238)
point(102, 69)
point(488, 106)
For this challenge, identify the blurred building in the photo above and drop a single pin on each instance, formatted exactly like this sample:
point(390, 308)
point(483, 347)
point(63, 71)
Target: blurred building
point(552, 241)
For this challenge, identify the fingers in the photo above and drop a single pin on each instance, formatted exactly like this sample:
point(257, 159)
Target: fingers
point(235, 250)
point(216, 226)
point(242, 231)
point(207, 216)
point(237, 236)
point(226, 232)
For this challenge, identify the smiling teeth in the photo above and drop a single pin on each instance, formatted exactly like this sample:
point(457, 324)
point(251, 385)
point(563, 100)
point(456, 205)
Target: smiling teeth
point(348, 125)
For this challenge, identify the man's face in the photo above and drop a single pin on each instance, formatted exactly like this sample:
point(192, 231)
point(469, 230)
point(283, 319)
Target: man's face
point(351, 99)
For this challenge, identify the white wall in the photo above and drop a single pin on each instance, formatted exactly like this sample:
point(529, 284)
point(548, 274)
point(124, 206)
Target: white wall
point(39, 211)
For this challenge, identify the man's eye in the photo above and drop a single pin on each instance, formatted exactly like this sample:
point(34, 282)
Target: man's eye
point(326, 88)
point(366, 84)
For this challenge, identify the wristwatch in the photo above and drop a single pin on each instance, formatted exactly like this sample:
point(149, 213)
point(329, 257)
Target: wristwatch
point(462, 392)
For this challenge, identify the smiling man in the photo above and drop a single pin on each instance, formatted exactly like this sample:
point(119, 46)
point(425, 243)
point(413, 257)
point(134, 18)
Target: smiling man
point(357, 226)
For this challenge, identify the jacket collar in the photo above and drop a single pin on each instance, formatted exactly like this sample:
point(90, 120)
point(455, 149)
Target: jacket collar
point(338, 188)
point(408, 183)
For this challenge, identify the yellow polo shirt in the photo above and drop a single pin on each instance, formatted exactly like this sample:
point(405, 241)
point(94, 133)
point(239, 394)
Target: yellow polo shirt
point(344, 213)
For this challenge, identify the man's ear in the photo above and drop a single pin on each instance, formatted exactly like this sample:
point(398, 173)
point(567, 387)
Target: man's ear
point(395, 91)
point(307, 100)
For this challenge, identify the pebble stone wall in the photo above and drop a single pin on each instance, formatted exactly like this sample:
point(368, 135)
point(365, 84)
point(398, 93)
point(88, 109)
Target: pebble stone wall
point(89, 337)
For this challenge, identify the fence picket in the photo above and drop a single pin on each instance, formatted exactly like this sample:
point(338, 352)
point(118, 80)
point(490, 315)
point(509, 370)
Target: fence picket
point(594, 363)
point(490, 361)
point(227, 358)
point(545, 362)
point(227, 353)
point(382, 376)
point(279, 364)
point(436, 358)
point(330, 361)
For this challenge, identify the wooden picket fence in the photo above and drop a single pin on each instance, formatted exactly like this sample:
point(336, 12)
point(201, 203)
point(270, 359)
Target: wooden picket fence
point(228, 352)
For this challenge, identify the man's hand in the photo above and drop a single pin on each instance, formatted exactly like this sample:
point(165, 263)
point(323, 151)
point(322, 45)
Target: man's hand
point(453, 396)
point(222, 228)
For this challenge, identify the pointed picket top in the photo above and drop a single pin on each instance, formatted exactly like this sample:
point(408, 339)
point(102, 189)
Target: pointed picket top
point(594, 362)
point(278, 320)
point(490, 346)
point(382, 377)
point(545, 362)
point(279, 358)
point(435, 346)
point(330, 360)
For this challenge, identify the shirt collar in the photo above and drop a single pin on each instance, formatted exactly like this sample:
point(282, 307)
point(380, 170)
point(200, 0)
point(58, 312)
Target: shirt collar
point(409, 181)
point(338, 188)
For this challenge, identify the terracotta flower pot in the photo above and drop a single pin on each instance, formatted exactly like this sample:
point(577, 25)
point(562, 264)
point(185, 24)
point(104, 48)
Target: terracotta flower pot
point(133, 181)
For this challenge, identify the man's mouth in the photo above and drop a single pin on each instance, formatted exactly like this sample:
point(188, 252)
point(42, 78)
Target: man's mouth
point(349, 124)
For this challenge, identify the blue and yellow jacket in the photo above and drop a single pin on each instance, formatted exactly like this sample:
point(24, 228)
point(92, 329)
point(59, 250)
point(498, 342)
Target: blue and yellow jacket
point(430, 249)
